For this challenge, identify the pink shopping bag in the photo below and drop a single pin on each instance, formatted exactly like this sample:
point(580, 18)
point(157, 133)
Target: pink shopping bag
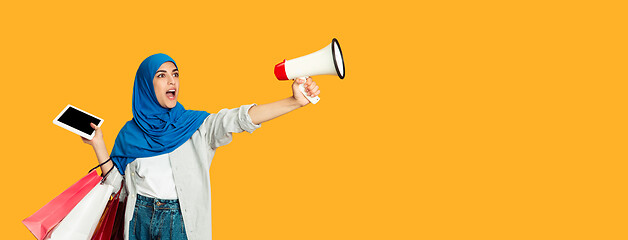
point(46, 218)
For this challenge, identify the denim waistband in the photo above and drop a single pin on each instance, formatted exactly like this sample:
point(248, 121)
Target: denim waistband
point(156, 202)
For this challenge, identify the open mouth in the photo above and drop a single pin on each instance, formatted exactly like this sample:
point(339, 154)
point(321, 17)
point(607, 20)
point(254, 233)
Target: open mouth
point(171, 94)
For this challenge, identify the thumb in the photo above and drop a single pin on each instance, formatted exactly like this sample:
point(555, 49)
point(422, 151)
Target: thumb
point(93, 126)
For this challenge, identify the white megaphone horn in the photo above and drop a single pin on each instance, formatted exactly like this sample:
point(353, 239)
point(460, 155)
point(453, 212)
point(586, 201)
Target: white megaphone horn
point(327, 61)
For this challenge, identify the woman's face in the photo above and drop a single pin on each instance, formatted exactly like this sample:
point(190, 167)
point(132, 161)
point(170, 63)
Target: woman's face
point(166, 84)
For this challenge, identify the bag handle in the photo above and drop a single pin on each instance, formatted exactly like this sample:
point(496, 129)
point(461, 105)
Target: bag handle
point(120, 190)
point(105, 175)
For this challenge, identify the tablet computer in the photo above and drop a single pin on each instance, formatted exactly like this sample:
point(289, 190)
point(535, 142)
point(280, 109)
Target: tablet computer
point(77, 121)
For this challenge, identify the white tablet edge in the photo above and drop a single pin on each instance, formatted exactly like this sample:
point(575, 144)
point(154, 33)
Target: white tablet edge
point(74, 130)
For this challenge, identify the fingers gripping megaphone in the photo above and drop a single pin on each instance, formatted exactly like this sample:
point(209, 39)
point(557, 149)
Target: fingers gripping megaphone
point(327, 61)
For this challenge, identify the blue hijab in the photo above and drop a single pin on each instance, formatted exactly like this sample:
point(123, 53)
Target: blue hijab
point(154, 130)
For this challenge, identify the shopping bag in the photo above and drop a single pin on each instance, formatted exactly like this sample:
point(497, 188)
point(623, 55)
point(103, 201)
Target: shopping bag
point(81, 222)
point(104, 229)
point(118, 225)
point(46, 218)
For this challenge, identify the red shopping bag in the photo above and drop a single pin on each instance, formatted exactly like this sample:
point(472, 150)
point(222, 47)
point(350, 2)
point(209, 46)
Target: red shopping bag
point(46, 218)
point(110, 216)
point(118, 225)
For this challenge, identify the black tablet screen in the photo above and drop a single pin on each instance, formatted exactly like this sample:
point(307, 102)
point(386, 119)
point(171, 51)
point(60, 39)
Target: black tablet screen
point(78, 120)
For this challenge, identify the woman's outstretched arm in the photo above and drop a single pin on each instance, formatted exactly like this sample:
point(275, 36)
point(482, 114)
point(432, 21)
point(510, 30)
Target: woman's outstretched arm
point(264, 112)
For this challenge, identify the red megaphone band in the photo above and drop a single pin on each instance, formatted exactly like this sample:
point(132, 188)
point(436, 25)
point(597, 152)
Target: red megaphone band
point(280, 71)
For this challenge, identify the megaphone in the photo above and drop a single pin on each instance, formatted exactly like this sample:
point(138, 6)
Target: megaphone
point(327, 61)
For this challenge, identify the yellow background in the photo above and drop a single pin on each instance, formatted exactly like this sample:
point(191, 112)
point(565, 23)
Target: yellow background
point(456, 119)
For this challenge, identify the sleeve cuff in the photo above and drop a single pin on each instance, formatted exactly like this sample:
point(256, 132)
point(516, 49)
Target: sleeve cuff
point(245, 119)
point(114, 178)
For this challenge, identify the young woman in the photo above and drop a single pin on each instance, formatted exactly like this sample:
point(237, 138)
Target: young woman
point(164, 153)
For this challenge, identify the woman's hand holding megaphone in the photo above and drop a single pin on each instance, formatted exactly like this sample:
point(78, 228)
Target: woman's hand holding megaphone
point(304, 89)
point(303, 86)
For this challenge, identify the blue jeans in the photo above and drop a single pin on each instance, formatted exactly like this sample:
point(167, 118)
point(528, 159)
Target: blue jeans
point(156, 219)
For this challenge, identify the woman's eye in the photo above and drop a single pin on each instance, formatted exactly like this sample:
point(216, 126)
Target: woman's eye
point(175, 74)
point(161, 75)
